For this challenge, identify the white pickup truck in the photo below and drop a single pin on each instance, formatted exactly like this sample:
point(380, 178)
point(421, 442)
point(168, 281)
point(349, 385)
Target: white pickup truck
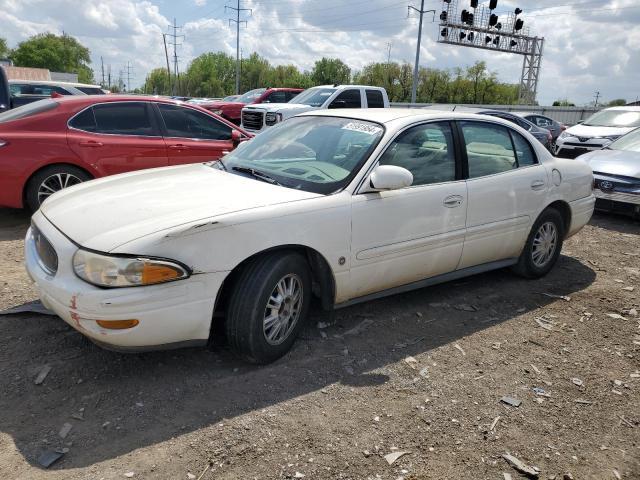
point(256, 118)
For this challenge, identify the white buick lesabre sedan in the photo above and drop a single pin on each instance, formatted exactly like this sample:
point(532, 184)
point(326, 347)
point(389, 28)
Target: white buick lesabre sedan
point(343, 205)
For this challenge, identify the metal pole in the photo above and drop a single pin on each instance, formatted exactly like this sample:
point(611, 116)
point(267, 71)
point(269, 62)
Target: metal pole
point(175, 59)
point(238, 49)
point(415, 67)
point(166, 54)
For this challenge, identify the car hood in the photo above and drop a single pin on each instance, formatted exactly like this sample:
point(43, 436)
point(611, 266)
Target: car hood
point(278, 107)
point(106, 213)
point(588, 131)
point(614, 162)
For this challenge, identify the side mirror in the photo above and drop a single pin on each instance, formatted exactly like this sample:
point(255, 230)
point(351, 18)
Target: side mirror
point(579, 122)
point(338, 104)
point(389, 177)
point(236, 137)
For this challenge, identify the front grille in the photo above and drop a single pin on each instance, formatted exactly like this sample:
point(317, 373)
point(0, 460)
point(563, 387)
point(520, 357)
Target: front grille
point(252, 120)
point(47, 256)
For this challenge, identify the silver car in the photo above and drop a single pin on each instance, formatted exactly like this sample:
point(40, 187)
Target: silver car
point(616, 170)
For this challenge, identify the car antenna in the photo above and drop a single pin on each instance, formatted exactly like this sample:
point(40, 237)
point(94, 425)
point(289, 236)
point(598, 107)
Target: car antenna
point(335, 84)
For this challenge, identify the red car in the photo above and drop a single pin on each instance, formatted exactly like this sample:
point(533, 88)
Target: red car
point(232, 110)
point(55, 143)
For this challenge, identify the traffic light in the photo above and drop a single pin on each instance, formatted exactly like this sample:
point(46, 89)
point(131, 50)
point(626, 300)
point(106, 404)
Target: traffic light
point(518, 11)
point(493, 19)
point(518, 25)
point(474, 3)
point(443, 16)
point(493, 4)
point(444, 32)
point(487, 39)
point(462, 35)
point(513, 43)
point(470, 37)
point(496, 40)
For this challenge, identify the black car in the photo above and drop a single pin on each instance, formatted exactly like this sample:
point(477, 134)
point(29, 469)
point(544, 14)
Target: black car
point(542, 134)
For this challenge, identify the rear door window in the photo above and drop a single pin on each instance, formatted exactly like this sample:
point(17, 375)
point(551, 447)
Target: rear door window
point(28, 110)
point(375, 99)
point(126, 118)
point(187, 123)
point(489, 148)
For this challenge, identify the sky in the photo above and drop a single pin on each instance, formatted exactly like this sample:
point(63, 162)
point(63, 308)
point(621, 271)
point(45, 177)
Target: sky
point(590, 46)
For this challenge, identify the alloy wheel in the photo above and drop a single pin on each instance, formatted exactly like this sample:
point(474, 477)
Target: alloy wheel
point(55, 183)
point(283, 309)
point(545, 243)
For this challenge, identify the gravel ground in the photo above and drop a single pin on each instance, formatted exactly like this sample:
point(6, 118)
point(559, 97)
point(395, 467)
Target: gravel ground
point(421, 372)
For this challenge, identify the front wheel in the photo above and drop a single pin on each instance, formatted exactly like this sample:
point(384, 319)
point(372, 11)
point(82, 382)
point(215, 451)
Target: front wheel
point(543, 245)
point(268, 306)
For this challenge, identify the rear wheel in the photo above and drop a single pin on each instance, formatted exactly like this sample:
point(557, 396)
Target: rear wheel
point(50, 180)
point(543, 245)
point(268, 306)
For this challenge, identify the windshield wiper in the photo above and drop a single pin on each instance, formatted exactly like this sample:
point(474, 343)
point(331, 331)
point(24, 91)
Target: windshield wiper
point(257, 174)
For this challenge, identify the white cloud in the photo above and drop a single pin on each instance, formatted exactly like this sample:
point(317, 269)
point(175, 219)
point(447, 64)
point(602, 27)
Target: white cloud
point(587, 48)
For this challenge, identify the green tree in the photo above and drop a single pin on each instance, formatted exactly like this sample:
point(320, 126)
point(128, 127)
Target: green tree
point(329, 71)
point(157, 82)
point(618, 102)
point(209, 75)
point(4, 49)
point(57, 53)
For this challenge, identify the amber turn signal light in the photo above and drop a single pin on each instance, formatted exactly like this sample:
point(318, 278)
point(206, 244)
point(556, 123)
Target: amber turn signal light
point(117, 324)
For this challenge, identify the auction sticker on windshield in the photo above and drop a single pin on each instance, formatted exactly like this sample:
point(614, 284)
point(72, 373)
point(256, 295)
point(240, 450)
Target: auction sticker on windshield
point(363, 127)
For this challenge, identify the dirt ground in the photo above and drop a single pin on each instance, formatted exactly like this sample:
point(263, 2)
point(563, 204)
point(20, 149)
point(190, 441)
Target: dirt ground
point(421, 372)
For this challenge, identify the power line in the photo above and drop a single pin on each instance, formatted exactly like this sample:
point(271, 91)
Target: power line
point(175, 45)
point(237, 21)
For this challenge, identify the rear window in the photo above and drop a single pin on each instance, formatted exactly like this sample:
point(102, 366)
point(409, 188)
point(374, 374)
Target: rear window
point(28, 110)
point(374, 99)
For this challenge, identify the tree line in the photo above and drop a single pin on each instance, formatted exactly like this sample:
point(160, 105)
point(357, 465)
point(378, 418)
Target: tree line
point(213, 75)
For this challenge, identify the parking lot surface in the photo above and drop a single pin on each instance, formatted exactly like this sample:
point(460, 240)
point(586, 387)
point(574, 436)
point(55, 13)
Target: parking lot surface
point(422, 372)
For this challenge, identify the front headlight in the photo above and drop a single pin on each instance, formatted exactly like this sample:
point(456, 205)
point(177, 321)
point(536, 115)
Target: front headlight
point(611, 138)
point(564, 135)
point(108, 271)
point(271, 118)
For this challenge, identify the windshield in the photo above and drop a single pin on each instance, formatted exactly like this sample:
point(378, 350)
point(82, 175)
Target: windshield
point(629, 142)
point(314, 97)
point(250, 96)
point(314, 154)
point(28, 110)
point(614, 118)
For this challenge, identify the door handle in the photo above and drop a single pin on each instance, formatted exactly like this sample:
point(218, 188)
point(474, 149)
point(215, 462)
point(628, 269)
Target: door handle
point(537, 184)
point(91, 143)
point(452, 201)
point(178, 146)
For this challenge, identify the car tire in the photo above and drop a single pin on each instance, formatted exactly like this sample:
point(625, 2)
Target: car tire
point(543, 245)
point(50, 180)
point(268, 307)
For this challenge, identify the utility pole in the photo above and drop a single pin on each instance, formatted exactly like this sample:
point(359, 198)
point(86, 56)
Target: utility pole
point(422, 11)
point(389, 65)
point(175, 44)
point(166, 55)
point(128, 72)
point(109, 75)
point(102, 67)
point(237, 21)
point(597, 97)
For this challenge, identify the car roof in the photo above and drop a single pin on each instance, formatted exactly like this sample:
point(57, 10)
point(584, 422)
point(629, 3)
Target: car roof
point(347, 86)
point(53, 83)
point(90, 99)
point(404, 115)
point(625, 108)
